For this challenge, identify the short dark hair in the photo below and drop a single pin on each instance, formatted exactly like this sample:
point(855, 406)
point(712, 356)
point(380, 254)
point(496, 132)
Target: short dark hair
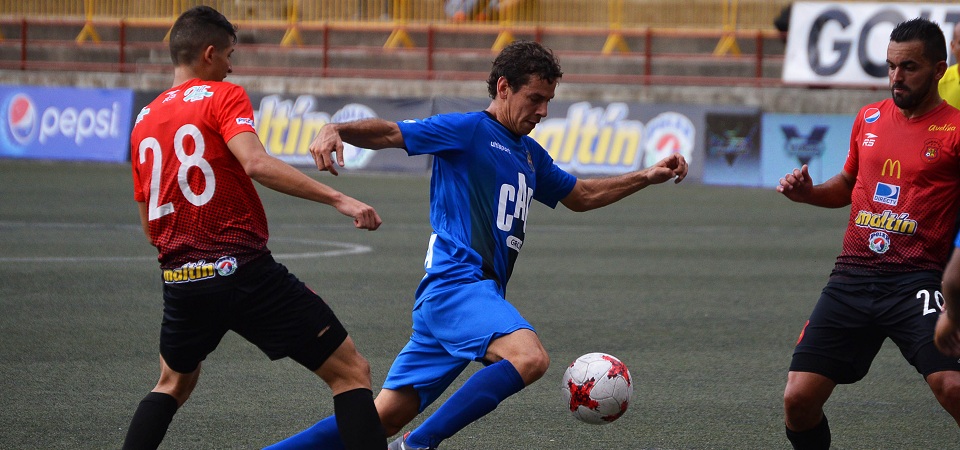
point(518, 61)
point(920, 29)
point(195, 30)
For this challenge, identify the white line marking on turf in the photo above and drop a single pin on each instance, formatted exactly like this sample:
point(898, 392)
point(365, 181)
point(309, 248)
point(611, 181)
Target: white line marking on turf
point(339, 248)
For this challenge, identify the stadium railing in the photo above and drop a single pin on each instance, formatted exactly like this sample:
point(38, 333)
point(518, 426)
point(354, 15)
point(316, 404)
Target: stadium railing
point(718, 42)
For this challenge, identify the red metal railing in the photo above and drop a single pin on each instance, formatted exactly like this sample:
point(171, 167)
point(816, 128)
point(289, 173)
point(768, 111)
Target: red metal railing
point(426, 51)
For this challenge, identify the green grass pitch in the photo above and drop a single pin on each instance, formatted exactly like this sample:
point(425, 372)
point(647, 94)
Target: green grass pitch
point(700, 290)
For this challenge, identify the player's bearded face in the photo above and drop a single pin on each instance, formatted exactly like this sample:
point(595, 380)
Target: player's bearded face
point(911, 75)
point(907, 97)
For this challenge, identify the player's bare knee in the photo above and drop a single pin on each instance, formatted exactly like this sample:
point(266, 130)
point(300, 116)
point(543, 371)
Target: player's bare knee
point(531, 365)
point(800, 411)
point(946, 387)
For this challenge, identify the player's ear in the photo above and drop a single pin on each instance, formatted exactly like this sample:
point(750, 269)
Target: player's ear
point(502, 87)
point(208, 54)
point(941, 69)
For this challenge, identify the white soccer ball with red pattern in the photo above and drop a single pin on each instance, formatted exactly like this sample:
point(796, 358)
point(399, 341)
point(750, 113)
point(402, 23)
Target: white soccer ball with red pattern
point(597, 388)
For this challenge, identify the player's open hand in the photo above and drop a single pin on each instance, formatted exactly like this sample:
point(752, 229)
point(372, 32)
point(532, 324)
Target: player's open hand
point(796, 185)
point(947, 336)
point(672, 167)
point(323, 148)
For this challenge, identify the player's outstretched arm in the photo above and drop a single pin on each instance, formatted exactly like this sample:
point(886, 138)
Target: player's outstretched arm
point(593, 193)
point(947, 334)
point(282, 177)
point(373, 134)
point(834, 193)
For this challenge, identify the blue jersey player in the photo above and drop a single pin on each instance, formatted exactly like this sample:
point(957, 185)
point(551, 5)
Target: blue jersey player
point(486, 173)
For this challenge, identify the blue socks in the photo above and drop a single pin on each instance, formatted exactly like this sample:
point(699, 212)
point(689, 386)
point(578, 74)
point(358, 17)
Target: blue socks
point(323, 434)
point(476, 398)
point(480, 395)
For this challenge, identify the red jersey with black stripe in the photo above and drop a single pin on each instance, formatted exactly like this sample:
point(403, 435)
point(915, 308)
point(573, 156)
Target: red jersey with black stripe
point(907, 191)
point(202, 206)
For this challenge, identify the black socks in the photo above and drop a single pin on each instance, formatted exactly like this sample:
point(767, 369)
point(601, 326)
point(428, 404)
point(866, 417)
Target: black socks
point(150, 421)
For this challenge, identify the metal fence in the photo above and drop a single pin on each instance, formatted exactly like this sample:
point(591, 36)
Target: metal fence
point(697, 14)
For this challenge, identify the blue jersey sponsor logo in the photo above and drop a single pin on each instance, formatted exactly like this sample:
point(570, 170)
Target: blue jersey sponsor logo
point(888, 194)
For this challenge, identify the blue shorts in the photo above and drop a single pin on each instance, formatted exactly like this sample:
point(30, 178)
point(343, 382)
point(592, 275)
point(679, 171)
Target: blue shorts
point(451, 328)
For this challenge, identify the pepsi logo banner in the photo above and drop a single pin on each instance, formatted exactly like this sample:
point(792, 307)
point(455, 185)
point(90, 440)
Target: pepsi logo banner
point(837, 44)
point(65, 123)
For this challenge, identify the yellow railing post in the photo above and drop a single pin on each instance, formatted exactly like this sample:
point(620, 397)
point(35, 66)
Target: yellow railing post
point(728, 42)
point(88, 32)
point(292, 36)
point(399, 35)
point(615, 39)
point(508, 10)
point(177, 9)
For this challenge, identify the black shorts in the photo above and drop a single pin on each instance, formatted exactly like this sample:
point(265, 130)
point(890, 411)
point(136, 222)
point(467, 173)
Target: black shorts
point(852, 319)
point(262, 302)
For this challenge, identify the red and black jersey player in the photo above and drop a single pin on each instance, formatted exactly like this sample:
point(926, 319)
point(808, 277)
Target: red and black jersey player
point(194, 153)
point(902, 182)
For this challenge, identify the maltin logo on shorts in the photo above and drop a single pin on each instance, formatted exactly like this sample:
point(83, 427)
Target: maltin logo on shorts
point(879, 242)
point(226, 266)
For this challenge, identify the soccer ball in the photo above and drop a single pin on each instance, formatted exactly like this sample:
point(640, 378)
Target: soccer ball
point(597, 388)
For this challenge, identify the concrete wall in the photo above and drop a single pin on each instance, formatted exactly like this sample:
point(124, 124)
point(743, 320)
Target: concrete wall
point(775, 99)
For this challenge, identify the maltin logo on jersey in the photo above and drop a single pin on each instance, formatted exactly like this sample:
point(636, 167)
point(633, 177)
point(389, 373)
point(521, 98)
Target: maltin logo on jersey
point(888, 194)
point(879, 242)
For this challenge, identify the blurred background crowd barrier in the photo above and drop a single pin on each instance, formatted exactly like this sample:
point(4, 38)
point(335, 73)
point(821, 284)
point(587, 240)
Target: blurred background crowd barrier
point(697, 14)
point(666, 42)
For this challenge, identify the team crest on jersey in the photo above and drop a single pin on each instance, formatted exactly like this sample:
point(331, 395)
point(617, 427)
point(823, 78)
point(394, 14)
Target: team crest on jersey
point(197, 93)
point(931, 150)
point(226, 266)
point(879, 242)
point(871, 115)
point(530, 161)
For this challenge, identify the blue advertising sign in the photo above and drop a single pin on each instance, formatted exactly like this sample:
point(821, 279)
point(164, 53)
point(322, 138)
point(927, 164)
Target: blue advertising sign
point(65, 123)
point(790, 140)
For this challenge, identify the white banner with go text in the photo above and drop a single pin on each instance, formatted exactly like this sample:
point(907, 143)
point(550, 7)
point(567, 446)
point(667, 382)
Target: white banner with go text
point(831, 43)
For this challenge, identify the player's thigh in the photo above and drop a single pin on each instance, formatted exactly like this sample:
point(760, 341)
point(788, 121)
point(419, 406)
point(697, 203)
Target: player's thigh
point(194, 322)
point(840, 339)
point(910, 321)
point(466, 319)
point(285, 318)
point(425, 366)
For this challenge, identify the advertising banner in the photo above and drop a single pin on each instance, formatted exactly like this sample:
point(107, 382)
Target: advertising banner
point(832, 43)
point(65, 123)
point(732, 144)
point(287, 124)
point(598, 139)
point(791, 140)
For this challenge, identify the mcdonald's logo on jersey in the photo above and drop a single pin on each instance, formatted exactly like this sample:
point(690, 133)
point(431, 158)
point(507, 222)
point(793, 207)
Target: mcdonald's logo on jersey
point(893, 165)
